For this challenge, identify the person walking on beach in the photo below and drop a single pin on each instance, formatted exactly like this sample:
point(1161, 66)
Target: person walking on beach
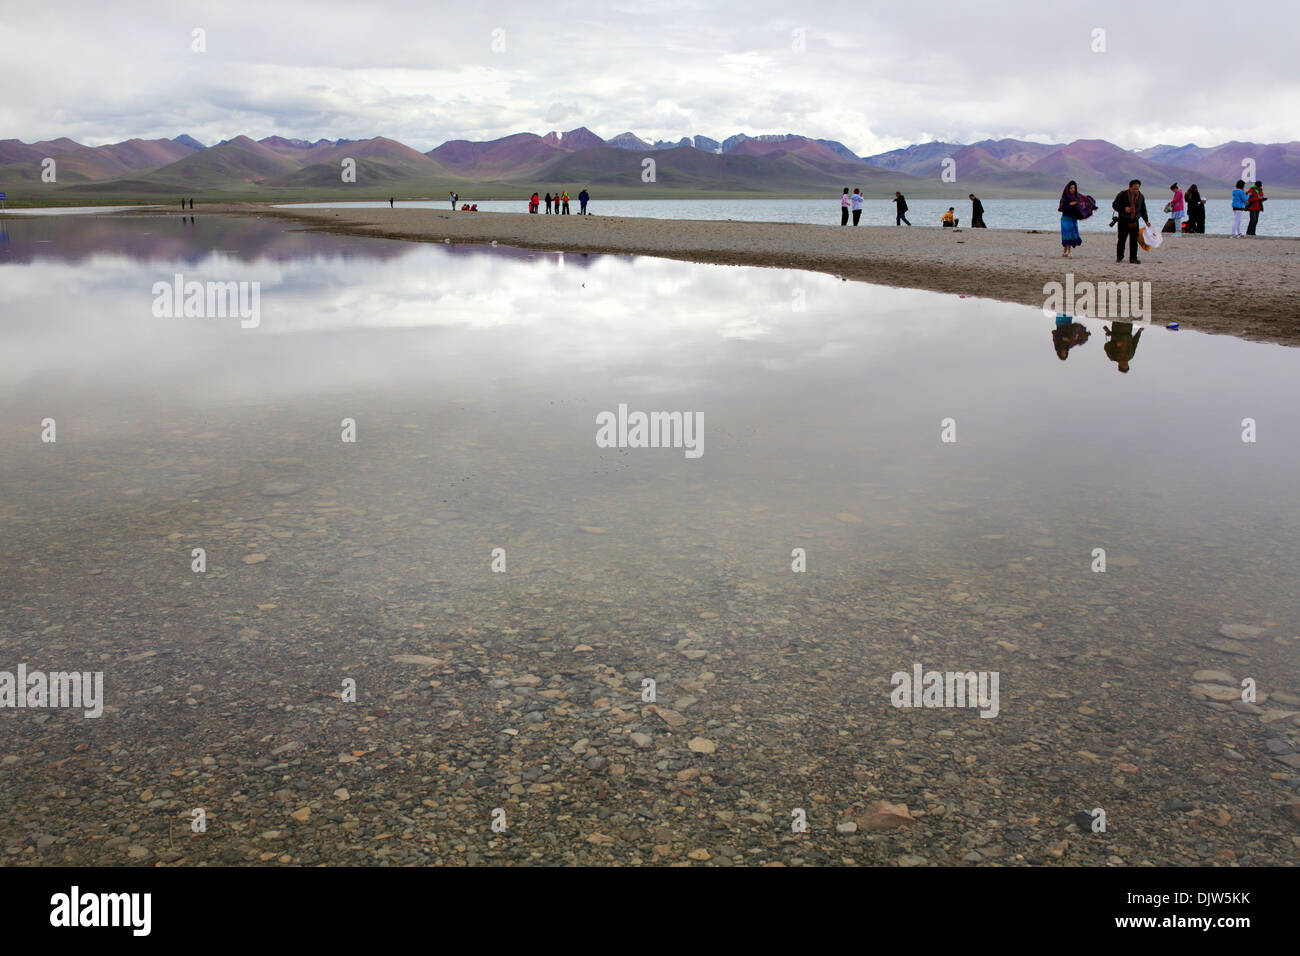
point(857, 205)
point(1195, 209)
point(1176, 209)
point(900, 213)
point(582, 201)
point(1068, 207)
point(1131, 206)
point(976, 213)
point(1255, 200)
point(1238, 207)
point(844, 207)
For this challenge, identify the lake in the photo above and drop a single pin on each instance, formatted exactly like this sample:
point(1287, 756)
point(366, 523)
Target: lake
point(1281, 216)
point(377, 557)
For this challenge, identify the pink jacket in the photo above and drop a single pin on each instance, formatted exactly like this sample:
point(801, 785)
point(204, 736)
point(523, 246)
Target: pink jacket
point(1177, 203)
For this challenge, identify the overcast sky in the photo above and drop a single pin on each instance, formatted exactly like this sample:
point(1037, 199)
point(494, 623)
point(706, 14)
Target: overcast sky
point(872, 76)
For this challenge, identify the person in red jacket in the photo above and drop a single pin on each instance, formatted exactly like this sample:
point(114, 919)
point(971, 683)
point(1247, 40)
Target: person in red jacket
point(1255, 200)
point(532, 203)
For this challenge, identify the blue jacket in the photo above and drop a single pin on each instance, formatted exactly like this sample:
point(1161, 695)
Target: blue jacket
point(1239, 199)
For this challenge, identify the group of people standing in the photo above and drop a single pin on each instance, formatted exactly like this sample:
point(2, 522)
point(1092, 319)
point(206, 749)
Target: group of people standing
point(1130, 208)
point(560, 201)
point(1251, 201)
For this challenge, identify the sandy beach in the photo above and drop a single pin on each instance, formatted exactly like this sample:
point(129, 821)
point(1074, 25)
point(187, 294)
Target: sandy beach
point(1248, 288)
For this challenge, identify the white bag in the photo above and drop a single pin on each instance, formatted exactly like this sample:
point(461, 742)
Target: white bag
point(1151, 236)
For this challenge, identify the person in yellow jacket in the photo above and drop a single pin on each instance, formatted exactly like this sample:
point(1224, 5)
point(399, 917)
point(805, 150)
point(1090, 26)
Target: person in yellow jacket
point(948, 219)
point(565, 197)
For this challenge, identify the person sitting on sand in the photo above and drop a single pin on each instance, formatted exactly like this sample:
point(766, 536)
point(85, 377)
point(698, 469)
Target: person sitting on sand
point(976, 213)
point(900, 206)
point(948, 219)
point(1068, 207)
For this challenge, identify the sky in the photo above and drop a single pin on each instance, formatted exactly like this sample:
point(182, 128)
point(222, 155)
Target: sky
point(875, 77)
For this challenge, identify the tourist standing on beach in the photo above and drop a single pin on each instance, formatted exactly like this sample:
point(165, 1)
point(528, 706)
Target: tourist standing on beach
point(900, 213)
point(1131, 206)
point(1195, 209)
point(844, 207)
point(857, 205)
point(1068, 207)
point(533, 203)
point(454, 197)
point(565, 197)
point(548, 204)
point(582, 201)
point(1176, 208)
point(1255, 200)
point(1238, 207)
point(976, 213)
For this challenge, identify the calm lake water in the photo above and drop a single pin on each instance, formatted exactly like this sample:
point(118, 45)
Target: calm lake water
point(1281, 216)
point(474, 378)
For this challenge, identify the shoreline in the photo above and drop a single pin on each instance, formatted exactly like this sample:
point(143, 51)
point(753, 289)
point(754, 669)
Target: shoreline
point(1249, 289)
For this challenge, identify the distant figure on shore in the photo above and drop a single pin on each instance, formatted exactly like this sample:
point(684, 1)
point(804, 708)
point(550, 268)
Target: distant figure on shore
point(1123, 343)
point(582, 201)
point(548, 204)
point(900, 207)
point(857, 205)
point(976, 213)
point(844, 207)
point(1176, 209)
point(949, 220)
point(182, 203)
point(1067, 335)
point(1195, 210)
point(390, 202)
point(1255, 200)
point(565, 197)
point(1131, 206)
point(454, 197)
point(533, 203)
point(1238, 207)
point(1068, 207)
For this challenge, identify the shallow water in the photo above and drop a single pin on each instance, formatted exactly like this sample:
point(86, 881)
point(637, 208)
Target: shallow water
point(475, 377)
point(1281, 218)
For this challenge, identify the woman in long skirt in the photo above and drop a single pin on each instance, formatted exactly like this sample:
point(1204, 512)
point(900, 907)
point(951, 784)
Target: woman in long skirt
point(1069, 210)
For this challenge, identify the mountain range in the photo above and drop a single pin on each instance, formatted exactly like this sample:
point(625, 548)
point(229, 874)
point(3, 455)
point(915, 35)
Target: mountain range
point(279, 168)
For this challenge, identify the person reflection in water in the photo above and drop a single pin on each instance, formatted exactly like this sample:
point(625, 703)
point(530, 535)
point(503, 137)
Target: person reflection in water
point(1067, 335)
point(1123, 343)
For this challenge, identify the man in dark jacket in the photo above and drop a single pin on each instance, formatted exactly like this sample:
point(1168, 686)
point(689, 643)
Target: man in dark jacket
point(1131, 206)
point(582, 201)
point(900, 216)
point(976, 213)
